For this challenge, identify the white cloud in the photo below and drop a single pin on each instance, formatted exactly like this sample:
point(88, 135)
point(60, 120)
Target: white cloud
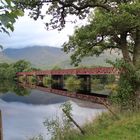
point(29, 32)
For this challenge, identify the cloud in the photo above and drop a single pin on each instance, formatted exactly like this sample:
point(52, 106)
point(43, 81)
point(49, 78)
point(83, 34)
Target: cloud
point(29, 32)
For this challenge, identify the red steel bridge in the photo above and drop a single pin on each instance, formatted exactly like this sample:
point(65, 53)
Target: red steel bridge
point(58, 75)
point(79, 71)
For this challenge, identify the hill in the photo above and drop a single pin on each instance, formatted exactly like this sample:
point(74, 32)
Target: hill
point(46, 57)
point(4, 58)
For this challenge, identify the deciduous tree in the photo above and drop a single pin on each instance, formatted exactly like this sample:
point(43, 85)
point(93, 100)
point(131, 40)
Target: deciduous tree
point(113, 24)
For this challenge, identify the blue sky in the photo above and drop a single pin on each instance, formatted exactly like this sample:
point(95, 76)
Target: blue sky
point(29, 32)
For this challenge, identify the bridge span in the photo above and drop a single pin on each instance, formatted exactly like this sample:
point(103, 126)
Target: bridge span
point(59, 75)
point(78, 71)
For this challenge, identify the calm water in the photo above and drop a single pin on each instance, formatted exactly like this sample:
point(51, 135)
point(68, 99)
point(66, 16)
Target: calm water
point(25, 110)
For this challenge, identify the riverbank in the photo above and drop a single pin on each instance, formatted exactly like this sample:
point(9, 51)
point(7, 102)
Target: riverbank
point(106, 127)
point(87, 104)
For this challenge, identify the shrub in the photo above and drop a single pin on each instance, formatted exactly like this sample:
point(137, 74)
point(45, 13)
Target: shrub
point(72, 83)
point(47, 81)
point(32, 79)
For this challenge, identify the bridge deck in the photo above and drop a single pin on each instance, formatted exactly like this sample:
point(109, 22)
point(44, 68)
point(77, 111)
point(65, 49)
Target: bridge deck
point(80, 71)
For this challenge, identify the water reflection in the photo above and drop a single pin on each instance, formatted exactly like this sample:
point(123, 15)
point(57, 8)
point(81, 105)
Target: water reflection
point(95, 84)
point(23, 116)
point(14, 92)
point(11, 86)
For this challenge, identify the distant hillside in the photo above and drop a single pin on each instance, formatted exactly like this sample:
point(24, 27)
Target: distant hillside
point(4, 58)
point(46, 57)
point(43, 57)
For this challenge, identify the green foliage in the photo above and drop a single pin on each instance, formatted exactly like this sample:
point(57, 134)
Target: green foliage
point(22, 65)
point(59, 127)
point(67, 107)
point(32, 80)
point(8, 71)
point(113, 87)
point(21, 91)
point(126, 96)
point(56, 67)
point(107, 30)
point(72, 83)
point(9, 14)
point(110, 78)
point(96, 84)
point(47, 81)
point(21, 79)
point(105, 127)
point(10, 86)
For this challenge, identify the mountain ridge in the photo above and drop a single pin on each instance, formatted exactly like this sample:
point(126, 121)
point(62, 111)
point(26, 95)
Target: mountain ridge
point(46, 57)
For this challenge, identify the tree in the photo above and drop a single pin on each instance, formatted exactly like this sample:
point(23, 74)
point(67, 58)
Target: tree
point(117, 29)
point(8, 15)
point(22, 65)
point(113, 24)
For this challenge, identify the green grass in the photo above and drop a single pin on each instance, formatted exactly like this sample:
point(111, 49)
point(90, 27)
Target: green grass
point(105, 127)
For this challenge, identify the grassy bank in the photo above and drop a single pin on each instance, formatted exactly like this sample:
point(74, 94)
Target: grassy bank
point(106, 127)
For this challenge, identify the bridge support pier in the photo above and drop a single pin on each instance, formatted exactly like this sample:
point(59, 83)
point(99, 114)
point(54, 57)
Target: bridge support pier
point(58, 81)
point(117, 77)
point(39, 79)
point(86, 82)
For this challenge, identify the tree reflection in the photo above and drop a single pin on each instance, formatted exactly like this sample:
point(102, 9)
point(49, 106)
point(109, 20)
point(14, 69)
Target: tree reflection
point(11, 86)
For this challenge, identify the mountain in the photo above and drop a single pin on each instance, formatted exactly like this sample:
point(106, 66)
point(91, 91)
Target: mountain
point(43, 57)
point(4, 58)
point(46, 57)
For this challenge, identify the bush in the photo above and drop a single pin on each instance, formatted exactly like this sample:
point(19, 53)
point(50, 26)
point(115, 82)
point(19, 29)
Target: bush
point(72, 83)
point(21, 79)
point(59, 128)
point(47, 81)
point(126, 97)
point(32, 80)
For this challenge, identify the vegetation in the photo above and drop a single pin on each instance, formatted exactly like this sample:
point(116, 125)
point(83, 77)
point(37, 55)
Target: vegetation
point(8, 71)
point(47, 81)
point(110, 25)
point(56, 126)
point(103, 83)
point(9, 14)
point(22, 79)
point(72, 83)
point(106, 127)
point(32, 80)
point(10, 86)
point(113, 25)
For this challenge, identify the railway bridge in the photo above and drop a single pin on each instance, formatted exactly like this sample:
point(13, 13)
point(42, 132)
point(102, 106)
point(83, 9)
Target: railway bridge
point(84, 73)
point(80, 72)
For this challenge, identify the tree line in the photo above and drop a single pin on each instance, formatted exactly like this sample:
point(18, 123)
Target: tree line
point(8, 71)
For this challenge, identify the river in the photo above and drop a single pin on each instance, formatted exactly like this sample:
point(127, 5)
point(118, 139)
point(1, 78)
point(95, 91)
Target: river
point(25, 110)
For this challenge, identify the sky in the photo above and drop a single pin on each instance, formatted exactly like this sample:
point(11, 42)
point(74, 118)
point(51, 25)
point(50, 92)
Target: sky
point(29, 32)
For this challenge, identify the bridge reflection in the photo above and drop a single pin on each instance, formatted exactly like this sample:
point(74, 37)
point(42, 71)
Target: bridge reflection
point(96, 98)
